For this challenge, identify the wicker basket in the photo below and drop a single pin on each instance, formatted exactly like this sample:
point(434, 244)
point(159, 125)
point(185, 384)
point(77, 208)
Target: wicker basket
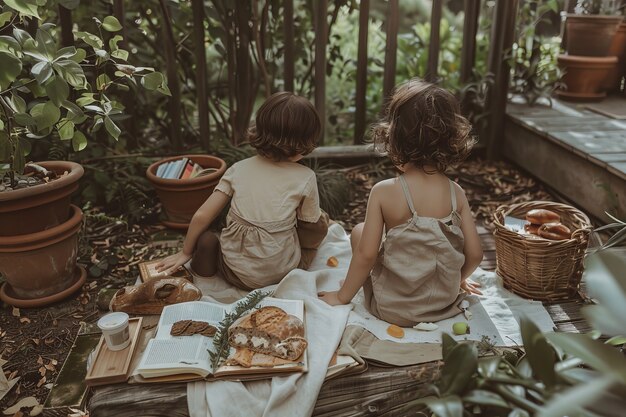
point(537, 268)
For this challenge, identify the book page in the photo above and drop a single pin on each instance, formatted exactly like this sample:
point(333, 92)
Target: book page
point(191, 310)
point(189, 354)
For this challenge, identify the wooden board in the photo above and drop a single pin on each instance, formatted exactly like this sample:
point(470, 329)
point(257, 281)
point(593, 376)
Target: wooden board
point(111, 367)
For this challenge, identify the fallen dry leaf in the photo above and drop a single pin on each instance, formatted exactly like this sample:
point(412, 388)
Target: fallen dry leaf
point(39, 360)
point(332, 262)
point(24, 402)
point(16, 312)
point(24, 320)
point(41, 381)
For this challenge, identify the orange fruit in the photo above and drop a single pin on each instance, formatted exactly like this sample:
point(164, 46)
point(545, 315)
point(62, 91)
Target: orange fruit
point(395, 331)
point(332, 261)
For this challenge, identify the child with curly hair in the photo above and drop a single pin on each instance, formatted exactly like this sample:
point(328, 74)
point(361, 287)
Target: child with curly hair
point(419, 243)
point(275, 223)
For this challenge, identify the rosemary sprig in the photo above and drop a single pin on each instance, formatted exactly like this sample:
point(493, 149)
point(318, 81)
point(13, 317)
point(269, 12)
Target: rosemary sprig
point(220, 340)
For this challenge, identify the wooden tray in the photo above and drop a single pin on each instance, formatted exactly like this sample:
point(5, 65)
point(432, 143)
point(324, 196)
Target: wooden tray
point(111, 367)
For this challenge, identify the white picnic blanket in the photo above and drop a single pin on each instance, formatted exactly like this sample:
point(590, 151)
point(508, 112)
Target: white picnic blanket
point(493, 314)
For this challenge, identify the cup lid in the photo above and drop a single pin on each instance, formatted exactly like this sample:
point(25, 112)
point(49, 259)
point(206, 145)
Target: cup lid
point(113, 321)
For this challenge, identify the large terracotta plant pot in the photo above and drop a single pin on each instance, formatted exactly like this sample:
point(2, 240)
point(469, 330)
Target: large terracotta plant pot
point(182, 198)
point(590, 35)
point(618, 49)
point(40, 268)
point(37, 208)
point(585, 76)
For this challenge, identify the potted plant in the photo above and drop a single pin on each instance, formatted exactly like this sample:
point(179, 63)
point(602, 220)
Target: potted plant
point(590, 33)
point(51, 93)
point(181, 198)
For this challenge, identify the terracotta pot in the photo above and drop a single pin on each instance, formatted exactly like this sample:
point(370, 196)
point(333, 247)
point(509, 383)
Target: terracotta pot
point(182, 198)
point(584, 76)
point(41, 265)
point(33, 209)
point(590, 35)
point(618, 49)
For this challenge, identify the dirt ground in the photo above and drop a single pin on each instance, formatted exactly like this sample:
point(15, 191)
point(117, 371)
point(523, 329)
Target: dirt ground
point(35, 342)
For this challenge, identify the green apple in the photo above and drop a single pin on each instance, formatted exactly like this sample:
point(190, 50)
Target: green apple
point(460, 328)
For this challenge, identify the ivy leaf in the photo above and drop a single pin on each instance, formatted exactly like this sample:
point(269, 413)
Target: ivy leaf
point(111, 24)
point(102, 81)
point(5, 17)
point(24, 7)
point(459, 367)
point(10, 68)
point(9, 44)
point(85, 99)
point(79, 141)
point(79, 56)
point(66, 129)
point(90, 39)
point(45, 114)
point(113, 42)
point(1, 125)
point(41, 71)
point(21, 36)
point(540, 354)
point(66, 52)
point(112, 128)
point(120, 54)
point(71, 72)
point(18, 103)
point(58, 90)
point(5, 147)
point(24, 119)
point(152, 81)
point(74, 113)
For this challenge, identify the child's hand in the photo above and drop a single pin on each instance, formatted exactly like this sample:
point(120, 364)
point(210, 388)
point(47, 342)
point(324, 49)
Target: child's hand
point(471, 287)
point(330, 298)
point(172, 262)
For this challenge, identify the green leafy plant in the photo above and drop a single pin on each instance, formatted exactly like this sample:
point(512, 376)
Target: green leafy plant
point(533, 57)
point(63, 93)
point(221, 348)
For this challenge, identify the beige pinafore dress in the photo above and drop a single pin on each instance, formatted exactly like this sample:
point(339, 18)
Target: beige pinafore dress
point(417, 276)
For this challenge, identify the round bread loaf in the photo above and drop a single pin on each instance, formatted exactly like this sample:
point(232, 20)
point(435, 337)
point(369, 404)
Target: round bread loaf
point(271, 331)
point(541, 216)
point(554, 231)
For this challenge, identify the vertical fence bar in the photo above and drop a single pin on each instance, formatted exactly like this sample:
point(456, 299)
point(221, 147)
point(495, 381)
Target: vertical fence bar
point(289, 45)
point(174, 103)
point(361, 73)
point(197, 6)
point(321, 40)
point(118, 12)
point(502, 34)
point(470, 28)
point(391, 49)
point(434, 44)
point(65, 21)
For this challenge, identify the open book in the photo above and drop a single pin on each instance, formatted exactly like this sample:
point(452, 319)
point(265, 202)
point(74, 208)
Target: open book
point(185, 358)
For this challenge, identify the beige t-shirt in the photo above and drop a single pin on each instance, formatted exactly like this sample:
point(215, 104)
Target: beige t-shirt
point(259, 243)
point(267, 191)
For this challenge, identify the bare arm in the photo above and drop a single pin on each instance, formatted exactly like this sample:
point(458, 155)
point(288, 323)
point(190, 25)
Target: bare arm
point(205, 215)
point(365, 255)
point(472, 248)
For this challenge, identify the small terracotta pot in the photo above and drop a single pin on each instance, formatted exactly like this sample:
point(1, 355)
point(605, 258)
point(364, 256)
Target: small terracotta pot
point(42, 264)
point(37, 208)
point(584, 76)
point(590, 35)
point(182, 198)
point(618, 49)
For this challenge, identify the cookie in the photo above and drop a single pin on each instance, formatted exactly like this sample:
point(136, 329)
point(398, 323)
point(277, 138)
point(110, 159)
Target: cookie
point(196, 327)
point(179, 327)
point(209, 331)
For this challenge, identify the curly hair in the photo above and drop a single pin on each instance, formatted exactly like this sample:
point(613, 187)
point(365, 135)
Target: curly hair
point(423, 126)
point(286, 125)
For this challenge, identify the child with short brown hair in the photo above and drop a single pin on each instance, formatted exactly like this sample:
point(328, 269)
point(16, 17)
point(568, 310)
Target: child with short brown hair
point(270, 195)
point(419, 243)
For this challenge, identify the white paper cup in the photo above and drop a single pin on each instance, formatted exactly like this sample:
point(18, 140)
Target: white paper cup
point(114, 327)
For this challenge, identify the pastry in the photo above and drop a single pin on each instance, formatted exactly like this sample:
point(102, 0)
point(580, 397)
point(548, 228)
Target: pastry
point(541, 216)
point(269, 330)
point(555, 231)
point(151, 296)
point(191, 327)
